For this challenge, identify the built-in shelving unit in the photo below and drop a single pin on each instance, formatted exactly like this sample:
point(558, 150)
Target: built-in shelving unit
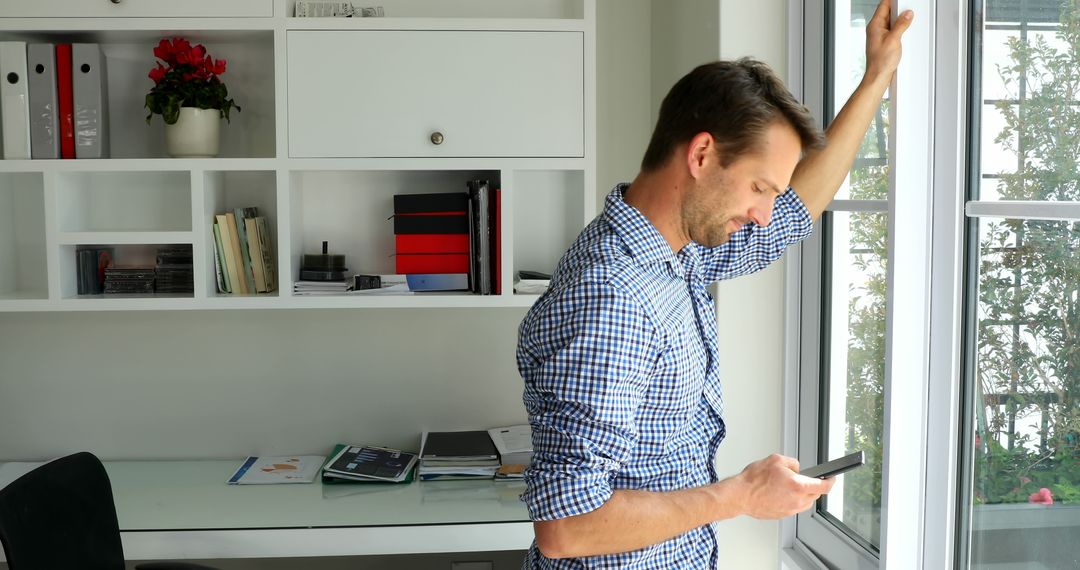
point(337, 117)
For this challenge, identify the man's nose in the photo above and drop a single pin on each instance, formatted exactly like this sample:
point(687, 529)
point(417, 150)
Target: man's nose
point(761, 213)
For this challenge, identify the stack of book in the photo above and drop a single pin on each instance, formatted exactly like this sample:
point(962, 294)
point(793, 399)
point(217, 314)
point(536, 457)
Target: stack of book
point(431, 237)
point(449, 240)
point(61, 110)
point(366, 463)
point(457, 455)
point(244, 263)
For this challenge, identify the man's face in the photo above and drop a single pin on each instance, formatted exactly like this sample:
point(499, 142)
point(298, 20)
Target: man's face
point(724, 199)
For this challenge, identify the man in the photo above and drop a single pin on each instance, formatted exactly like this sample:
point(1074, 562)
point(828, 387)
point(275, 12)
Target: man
point(619, 356)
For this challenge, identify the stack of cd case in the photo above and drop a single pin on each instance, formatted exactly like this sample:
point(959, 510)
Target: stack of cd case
point(173, 273)
point(129, 280)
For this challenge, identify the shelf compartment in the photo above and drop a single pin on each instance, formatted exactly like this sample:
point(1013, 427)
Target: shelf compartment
point(353, 211)
point(224, 192)
point(123, 201)
point(122, 254)
point(129, 57)
point(549, 213)
point(23, 273)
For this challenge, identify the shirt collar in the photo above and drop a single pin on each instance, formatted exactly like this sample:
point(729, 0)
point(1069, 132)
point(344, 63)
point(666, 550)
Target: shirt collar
point(637, 232)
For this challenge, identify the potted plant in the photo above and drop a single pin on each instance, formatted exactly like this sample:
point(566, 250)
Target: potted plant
point(189, 96)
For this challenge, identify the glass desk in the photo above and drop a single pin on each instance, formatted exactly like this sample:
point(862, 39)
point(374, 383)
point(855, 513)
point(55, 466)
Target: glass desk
point(184, 509)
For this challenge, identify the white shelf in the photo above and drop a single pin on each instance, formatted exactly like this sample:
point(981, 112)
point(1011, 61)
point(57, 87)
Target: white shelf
point(140, 199)
point(124, 238)
point(442, 24)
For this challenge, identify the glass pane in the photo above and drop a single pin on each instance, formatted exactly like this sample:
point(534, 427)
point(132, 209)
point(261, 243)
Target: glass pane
point(1026, 484)
point(1029, 89)
point(868, 179)
point(856, 357)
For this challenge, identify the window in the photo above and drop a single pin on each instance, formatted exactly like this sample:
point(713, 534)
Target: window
point(844, 283)
point(1022, 444)
point(951, 263)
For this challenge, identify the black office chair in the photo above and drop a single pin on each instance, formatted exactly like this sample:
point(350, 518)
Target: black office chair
point(61, 515)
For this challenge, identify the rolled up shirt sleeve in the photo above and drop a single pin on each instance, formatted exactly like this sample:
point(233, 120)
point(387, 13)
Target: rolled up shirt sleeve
point(585, 355)
point(753, 248)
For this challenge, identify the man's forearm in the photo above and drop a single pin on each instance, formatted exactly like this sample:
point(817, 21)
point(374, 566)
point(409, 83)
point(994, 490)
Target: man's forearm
point(632, 519)
point(821, 172)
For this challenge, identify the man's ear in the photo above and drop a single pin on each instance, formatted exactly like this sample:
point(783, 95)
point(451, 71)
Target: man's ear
point(700, 152)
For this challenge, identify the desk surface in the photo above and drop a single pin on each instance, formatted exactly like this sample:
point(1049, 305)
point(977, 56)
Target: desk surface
point(178, 495)
point(185, 510)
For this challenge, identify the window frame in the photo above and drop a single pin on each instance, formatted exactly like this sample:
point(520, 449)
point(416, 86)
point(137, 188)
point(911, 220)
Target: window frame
point(925, 273)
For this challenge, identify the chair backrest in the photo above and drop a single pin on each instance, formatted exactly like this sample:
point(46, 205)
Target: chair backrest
point(61, 515)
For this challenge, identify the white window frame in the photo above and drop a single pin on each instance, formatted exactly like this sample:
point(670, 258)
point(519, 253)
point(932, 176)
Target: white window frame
point(925, 278)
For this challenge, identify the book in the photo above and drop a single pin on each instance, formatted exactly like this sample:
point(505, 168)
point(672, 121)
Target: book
point(266, 247)
point(498, 242)
point(240, 284)
point(438, 281)
point(431, 243)
point(44, 112)
point(255, 252)
point(14, 100)
point(458, 445)
point(277, 469)
point(64, 100)
point(241, 215)
point(219, 263)
point(89, 91)
point(510, 471)
point(370, 463)
point(514, 444)
point(481, 224)
point(230, 256)
point(412, 263)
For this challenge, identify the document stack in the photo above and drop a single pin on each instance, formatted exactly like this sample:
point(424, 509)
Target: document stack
point(457, 455)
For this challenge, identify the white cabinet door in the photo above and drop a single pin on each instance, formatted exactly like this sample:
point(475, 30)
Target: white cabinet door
point(390, 93)
point(136, 8)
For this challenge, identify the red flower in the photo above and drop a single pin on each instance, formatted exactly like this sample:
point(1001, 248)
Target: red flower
point(1043, 497)
point(219, 66)
point(164, 51)
point(158, 73)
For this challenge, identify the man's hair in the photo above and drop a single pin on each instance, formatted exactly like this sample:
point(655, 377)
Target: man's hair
point(734, 101)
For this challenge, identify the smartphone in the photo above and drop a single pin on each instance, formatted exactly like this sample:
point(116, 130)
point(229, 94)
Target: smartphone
point(835, 467)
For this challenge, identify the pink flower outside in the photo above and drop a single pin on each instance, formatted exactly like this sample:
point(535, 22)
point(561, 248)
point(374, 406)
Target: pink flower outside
point(1043, 497)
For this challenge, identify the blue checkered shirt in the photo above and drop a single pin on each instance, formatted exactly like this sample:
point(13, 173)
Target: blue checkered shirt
point(621, 380)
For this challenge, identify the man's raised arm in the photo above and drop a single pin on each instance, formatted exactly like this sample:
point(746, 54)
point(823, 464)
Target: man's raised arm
point(821, 172)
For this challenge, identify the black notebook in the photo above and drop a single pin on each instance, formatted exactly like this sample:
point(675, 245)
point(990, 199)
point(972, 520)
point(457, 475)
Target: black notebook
point(458, 445)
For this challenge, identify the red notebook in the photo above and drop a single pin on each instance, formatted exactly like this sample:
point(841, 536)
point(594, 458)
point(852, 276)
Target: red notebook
point(432, 263)
point(64, 101)
point(431, 243)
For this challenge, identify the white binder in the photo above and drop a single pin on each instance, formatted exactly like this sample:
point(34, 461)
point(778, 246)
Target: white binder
point(44, 112)
point(14, 100)
point(89, 96)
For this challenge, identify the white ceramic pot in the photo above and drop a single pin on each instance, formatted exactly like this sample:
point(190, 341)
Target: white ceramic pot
point(195, 134)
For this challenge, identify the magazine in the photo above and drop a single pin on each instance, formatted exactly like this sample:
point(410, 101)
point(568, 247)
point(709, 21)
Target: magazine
point(279, 469)
point(370, 463)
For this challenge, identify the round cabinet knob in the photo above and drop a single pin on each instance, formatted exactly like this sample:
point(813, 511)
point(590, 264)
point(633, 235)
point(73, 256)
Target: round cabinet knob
point(115, 1)
point(436, 137)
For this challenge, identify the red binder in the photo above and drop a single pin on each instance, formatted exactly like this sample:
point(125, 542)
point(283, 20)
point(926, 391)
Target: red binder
point(431, 263)
point(64, 101)
point(431, 243)
point(498, 241)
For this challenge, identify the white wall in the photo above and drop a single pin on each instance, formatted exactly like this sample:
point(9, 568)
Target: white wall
point(750, 313)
